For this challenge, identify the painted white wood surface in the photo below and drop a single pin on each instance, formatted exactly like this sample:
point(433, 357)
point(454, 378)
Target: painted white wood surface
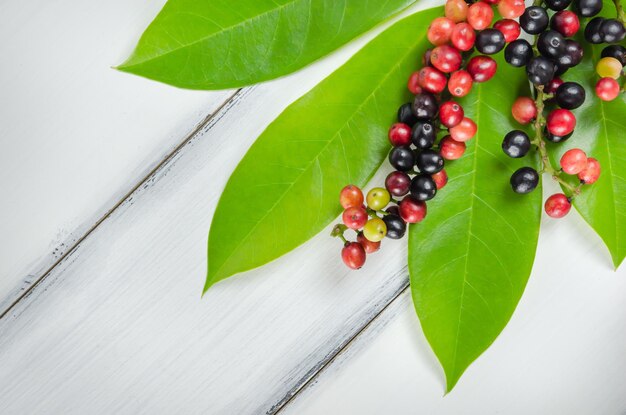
point(119, 327)
point(564, 351)
point(75, 134)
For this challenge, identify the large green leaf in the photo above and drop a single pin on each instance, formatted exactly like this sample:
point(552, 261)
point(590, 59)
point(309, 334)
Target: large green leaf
point(285, 190)
point(469, 260)
point(601, 132)
point(216, 44)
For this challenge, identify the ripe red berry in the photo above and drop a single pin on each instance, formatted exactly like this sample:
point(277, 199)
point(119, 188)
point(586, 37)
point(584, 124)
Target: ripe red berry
point(558, 205)
point(565, 22)
point(355, 217)
point(450, 114)
point(561, 122)
point(573, 161)
point(482, 68)
point(591, 173)
point(607, 89)
point(432, 80)
point(440, 178)
point(510, 9)
point(509, 28)
point(413, 83)
point(412, 210)
point(460, 83)
point(351, 196)
point(463, 37)
point(369, 246)
point(451, 149)
point(440, 30)
point(400, 135)
point(446, 58)
point(398, 183)
point(480, 15)
point(524, 110)
point(553, 85)
point(464, 131)
point(353, 255)
point(456, 10)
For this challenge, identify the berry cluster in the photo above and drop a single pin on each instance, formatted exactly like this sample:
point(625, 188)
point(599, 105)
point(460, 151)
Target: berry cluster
point(553, 53)
point(433, 128)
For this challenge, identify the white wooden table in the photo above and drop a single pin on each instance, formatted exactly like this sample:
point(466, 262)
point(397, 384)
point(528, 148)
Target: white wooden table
point(108, 185)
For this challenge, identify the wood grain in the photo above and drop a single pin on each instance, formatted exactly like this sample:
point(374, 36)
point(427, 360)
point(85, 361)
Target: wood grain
point(76, 135)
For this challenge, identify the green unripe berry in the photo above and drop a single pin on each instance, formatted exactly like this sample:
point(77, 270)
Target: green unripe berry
point(375, 230)
point(378, 198)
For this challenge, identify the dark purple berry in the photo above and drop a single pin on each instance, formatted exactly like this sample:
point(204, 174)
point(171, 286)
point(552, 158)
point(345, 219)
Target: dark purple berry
point(524, 180)
point(516, 144)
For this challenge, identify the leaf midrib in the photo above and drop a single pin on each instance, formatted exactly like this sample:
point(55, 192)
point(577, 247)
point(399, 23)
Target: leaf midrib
point(212, 35)
point(331, 140)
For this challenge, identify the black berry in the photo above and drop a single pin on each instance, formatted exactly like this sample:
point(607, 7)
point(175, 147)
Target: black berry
point(592, 31)
point(423, 135)
point(425, 106)
point(516, 144)
point(612, 31)
point(524, 180)
point(534, 20)
point(540, 70)
point(402, 158)
point(490, 41)
point(518, 53)
point(558, 5)
point(405, 114)
point(551, 44)
point(615, 51)
point(423, 187)
point(573, 54)
point(555, 138)
point(570, 95)
point(396, 227)
point(588, 8)
point(429, 161)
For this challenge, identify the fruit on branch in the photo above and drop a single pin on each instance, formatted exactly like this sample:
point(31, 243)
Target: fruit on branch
point(355, 217)
point(429, 161)
point(518, 53)
point(516, 144)
point(553, 85)
point(524, 110)
point(463, 37)
point(558, 5)
point(558, 205)
point(524, 180)
point(440, 30)
point(402, 158)
point(351, 196)
point(565, 22)
point(591, 173)
point(509, 28)
point(490, 41)
point(396, 227)
point(573, 161)
point(397, 183)
point(441, 179)
point(540, 70)
point(615, 51)
point(369, 246)
point(460, 83)
point(464, 131)
point(400, 135)
point(480, 15)
point(353, 255)
point(511, 9)
point(570, 95)
point(534, 20)
point(425, 106)
point(482, 68)
point(451, 114)
point(375, 229)
point(423, 187)
point(609, 68)
point(378, 198)
point(451, 149)
point(607, 89)
point(423, 135)
point(456, 10)
point(412, 210)
point(432, 80)
point(446, 58)
point(588, 8)
point(561, 122)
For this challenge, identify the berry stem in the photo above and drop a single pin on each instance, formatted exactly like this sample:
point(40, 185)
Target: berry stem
point(621, 15)
point(338, 231)
point(539, 141)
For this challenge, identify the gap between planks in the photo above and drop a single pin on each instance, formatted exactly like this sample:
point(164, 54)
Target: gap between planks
point(307, 380)
point(127, 197)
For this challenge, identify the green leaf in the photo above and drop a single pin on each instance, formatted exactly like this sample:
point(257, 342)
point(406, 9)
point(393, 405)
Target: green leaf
point(470, 259)
point(601, 132)
point(286, 188)
point(215, 44)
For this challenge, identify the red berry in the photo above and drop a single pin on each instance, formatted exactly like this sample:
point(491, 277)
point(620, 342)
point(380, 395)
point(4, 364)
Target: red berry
point(456, 10)
point(509, 28)
point(524, 110)
point(412, 210)
point(463, 37)
point(573, 161)
point(400, 135)
point(440, 30)
point(591, 173)
point(607, 89)
point(561, 122)
point(480, 15)
point(451, 114)
point(451, 149)
point(482, 68)
point(491, 1)
point(460, 83)
point(510, 9)
point(565, 22)
point(351, 196)
point(369, 246)
point(558, 205)
point(353, 255)
point(440, 178)
point(446, 58)
point(432, 80)
point(464, 131)
point(553, 85)
point(413, 83)
point(355, 217)
point(398, 183)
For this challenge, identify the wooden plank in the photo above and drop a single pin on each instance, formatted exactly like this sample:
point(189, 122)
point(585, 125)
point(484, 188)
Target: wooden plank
point(562, 353)
point(76, 135)
point(119, 326)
